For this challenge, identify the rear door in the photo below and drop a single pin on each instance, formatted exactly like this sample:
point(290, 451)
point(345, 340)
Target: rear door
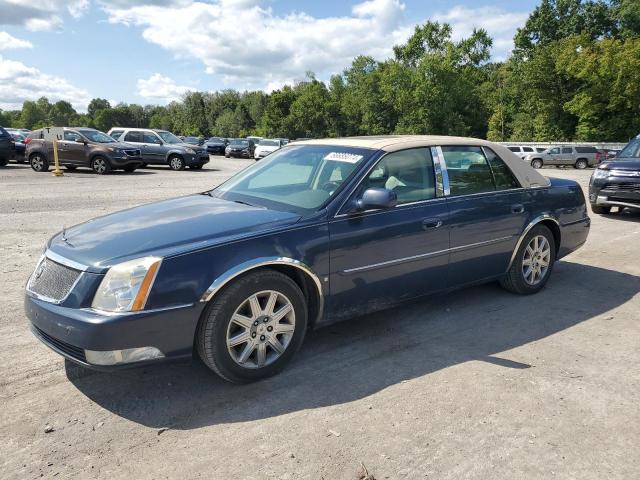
point(134, 137)
point(566, 156)
point(152, 147)
point(487, 211)
point(72, 150)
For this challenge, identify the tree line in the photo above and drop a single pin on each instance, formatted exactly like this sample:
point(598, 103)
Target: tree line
point(574, 74)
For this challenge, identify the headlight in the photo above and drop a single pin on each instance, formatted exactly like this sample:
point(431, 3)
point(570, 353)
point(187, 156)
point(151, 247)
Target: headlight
point(112, 149)
point(190, 150)
point(126, 286)
point(601, 173)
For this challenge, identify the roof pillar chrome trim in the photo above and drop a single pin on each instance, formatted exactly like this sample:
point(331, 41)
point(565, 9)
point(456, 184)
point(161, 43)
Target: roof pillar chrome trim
point(527, 229)
point(244, 267)
point(442, 176)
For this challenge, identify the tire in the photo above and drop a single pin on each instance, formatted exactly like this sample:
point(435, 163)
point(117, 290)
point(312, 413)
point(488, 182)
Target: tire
point(4, 162)
point(226, 155)
point(217, 326)
point(600, 210)
point(38, 163)
point(176, 162)
point(100, 165)
point(581, 164)
point(195, 167)
point(536, 163)
point(130, 168)
point(516, 279)
point(144, 165)
point(71, 168)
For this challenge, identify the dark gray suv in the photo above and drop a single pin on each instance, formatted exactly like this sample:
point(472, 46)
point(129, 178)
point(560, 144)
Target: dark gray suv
point(160, 147)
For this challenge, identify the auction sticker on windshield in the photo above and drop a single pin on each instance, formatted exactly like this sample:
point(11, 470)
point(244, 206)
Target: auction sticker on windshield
point(343, 157)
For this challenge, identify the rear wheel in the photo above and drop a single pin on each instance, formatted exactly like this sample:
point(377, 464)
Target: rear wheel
point(100, 165)
point(600, 210)
point(253, 328)
point(176, 162)
point(581, 164)
point(536, 163)
point(533, 262)
point(38, 163)
point(130, 168)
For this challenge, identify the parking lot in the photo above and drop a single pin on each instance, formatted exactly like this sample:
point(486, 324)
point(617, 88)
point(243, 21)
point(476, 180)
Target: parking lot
point(477, 384)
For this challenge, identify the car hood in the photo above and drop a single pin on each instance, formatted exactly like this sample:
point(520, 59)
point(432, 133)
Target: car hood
point(238, 147)
point(623, 164)
point(267, 148)
point(163, 228)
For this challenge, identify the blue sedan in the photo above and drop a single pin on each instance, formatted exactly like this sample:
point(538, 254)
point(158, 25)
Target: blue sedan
point(319, 231)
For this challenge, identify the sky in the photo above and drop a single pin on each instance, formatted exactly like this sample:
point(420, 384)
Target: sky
point(154, 51)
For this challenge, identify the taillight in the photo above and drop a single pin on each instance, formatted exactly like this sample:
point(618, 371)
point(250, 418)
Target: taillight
point(27, 140)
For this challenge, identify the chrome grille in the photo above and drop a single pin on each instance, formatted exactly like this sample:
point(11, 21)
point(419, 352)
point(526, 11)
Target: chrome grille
point(623, 187)
point(52, 281)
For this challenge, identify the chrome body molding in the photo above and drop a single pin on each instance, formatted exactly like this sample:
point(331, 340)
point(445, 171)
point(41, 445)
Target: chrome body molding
point(105, 313)
point(531, 224)
point(425, 255)
point(65, 261)
point(244, 267)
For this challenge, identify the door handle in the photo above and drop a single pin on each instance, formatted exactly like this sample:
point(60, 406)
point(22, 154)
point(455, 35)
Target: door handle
point(428, 223)
point(518, 208)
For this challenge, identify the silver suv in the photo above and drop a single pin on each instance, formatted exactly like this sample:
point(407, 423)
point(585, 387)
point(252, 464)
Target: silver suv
point(578, 157)
point(160, 147)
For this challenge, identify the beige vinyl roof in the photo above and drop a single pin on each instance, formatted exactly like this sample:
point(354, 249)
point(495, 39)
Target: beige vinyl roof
point(526, 175)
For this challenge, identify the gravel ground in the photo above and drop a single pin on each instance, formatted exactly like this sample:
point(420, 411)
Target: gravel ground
point(477, 384)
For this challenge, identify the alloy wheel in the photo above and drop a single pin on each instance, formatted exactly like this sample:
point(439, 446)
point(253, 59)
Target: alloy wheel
point(99, 165)
point(37, 163)
point(536, 259)
point(176, 163)
point(261, 329)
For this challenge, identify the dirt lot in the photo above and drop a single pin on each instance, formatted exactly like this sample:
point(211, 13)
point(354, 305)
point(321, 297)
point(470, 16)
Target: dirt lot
point(479, 384)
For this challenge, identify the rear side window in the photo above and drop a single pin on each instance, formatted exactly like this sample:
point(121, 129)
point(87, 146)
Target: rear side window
point(148, 137)
point(514, 149)
point(527, 149)
point(502, 175)
point(540, 149)
point(567, 150)
point(133, 137)
point(408, 173)
point(116, 133)
point(468, 170)
point(586, 149)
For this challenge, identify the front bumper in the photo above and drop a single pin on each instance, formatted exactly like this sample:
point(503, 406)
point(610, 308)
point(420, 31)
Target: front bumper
point(616, 194)
point(239, 153)
point(71, 331)
point(197, 159)
point(216, 150)
point(125, 161)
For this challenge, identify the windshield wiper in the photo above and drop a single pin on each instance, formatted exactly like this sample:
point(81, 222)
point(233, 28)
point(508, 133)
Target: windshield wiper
point(244, 203)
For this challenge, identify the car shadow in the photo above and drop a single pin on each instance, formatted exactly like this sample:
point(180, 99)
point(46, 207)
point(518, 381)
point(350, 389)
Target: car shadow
point(206, 169)
point(354, 359)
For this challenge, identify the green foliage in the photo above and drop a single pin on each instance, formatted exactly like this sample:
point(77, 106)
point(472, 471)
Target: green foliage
point(574, 75)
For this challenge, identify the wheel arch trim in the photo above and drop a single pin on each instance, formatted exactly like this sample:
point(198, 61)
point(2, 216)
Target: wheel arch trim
point(542, 218)
point(261, 262)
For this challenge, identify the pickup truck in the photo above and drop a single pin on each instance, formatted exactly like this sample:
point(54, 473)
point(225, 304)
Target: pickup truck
point(577, 156)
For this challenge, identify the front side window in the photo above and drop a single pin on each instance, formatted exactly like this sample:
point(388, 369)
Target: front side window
point(168, 137)
point(97, 136)
point(632, 150)
point(148, 137)
point(554, 151)
point(468, 170)
point(298, 178)
point(408, 173)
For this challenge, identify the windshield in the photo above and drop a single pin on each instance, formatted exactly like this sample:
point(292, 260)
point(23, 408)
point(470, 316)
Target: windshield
point(169, 137)
point(244, 143)
point(269, 143)
point(632, 150)
point(18, 137)
point(96, 136)
point(215, 140)
point(298, 178)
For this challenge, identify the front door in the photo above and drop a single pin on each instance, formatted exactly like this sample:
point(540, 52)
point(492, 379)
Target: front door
point(555, 157)
point(380, 257)
point(487, 213)
point(566, 156)
point(72, 150)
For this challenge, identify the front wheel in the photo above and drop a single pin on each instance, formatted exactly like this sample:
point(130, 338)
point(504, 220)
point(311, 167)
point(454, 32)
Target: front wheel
point(536, 163)
point(533, 262)
point(176, 163)
point(253, 328)
point(100, 165)
point(581, 164)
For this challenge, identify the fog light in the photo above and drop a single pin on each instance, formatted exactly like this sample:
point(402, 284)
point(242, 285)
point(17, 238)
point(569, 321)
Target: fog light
point(118, 357)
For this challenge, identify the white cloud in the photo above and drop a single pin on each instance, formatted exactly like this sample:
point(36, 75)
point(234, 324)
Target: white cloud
point(159, 87)
point(19, 82)
point(249, 46)
point(8, 42)
point(500, 24)
point(40, 15)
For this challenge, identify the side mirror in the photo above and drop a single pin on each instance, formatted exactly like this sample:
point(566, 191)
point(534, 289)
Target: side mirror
point(377, 198)
point(80, 140)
